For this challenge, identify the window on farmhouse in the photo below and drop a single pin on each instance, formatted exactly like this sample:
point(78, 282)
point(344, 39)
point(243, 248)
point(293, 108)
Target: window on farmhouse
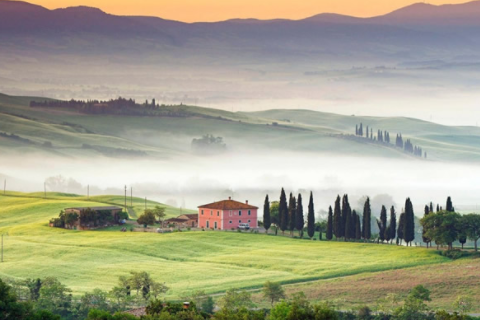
point(211, 212)
point(240, 213)
point(202, 212)
point(230, 221)
point(248, 220)
point(218, 213)
point(249, 212)
point(239, 221)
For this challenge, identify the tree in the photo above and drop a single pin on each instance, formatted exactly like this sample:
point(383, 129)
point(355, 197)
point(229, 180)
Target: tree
point(283, 212)
point(275, 214)
point(358, 228)
point(443, 227)
point(300, 223)
point(311, 218)
point(273, 292)
point(10, 308)
point(97, 299)
point(148, 218)
point(409, 227)
point(55, 297)
point(424, 238)
point(337, 219)
point(414, 307)
point(382, 224)
point(266, 215)
point(367, 218)
point(34, 286)
point(471, 224)
point(449, 206)
point(292, 210)
point(235, 300)
point(401, 228)
point(348, 231)
point(330, 224)
point(392, 227)
point(159, 212)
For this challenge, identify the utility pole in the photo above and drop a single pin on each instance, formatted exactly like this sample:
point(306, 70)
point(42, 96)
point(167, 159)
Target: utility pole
point(125, 197)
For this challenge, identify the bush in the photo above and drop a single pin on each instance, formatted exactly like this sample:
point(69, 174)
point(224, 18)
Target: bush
point(454, 254)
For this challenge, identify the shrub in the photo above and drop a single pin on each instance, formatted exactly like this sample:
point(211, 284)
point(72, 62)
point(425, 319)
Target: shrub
point(453, 254)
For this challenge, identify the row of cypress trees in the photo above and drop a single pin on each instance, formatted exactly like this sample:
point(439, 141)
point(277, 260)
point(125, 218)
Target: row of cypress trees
point(342, 221)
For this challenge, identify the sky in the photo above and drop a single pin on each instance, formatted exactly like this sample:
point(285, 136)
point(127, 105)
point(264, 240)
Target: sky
point(217, 10)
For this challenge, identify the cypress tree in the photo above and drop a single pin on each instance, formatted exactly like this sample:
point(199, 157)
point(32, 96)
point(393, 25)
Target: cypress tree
point(311, 218)
point(449, 206)
point(330, 224)
point(358, 228)
point(438, 208)
point(346, 219)
point(401, 227)
point(409, 229)
point(361, 129)
point(356, 129)
point(292, 209)
point(393, 224)
point(367, 218)
point(431, 207)
point(353, 226)
point(283, 212)
point(267, 223)
point(337, 219)
point(382, 223)
point(300, 223)
point(425, 239)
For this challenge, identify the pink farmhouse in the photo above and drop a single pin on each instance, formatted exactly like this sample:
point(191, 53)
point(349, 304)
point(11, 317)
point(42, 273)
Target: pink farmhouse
point(227, 214)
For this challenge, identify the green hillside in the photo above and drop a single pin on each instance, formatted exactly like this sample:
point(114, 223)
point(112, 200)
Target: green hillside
point(71, 134)
point(186, 261)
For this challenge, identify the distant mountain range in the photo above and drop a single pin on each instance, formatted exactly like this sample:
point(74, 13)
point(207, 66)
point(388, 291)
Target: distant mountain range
point(406, 32)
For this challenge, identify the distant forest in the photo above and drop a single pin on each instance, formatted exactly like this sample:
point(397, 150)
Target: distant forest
point(122, 106)
point(384, 137)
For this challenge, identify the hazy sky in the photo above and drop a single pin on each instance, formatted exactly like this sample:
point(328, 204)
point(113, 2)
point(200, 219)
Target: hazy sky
point(215, 10)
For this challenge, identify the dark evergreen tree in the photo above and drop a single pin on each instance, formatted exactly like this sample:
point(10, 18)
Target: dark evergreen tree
point(300, 221)
point(367, 218)
point(392, 227)
point(431, 207)
point(267, 222)
point(330, 224)
point(337, 219)
point(356, 129)
point(346, 219)
point(311, 218)
point(283, 212)
point(354, 225)
point(368, 132)
point(401, 227)
point(409, 228)
point(449, 206)
point(361, 129)
point(292, 210)
point(424, 231)
point(438, 208)
point(382, 224)
point(358, 228)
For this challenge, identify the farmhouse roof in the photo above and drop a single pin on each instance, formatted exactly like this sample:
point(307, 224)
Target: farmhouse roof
point(188, 216)
point(97, 208)
point(228, 205)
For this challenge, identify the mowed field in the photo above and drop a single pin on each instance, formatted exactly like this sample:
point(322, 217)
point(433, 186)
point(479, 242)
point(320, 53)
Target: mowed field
point(186, 261)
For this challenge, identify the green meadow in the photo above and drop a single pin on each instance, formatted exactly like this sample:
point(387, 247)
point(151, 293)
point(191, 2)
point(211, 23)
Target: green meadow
point(186, 261)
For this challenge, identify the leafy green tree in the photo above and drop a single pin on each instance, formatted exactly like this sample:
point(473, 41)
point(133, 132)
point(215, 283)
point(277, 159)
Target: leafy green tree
point(409, 227)
point(424, 238)
point(283, 212)
point(311, 218)
point(275, 214)
point(97, 299)
point(300, 223)
point(236, 300)
point(463, 304)
point(159, 212)
point(267, 222)
point(471, 225)
point(367, 220)
point(147, 218)
point(273, 292)
point(55, 297)
point(443, 227)
point(10, 307)
point(34, 286)
point(414, 307)
point(330, 224)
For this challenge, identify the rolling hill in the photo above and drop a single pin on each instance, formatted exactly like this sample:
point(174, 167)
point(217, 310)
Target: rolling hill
point(70, 134)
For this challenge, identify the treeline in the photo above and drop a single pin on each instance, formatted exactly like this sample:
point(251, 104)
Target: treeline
point(342, 222)
point(87, 218)
point(384, 137)
point(48, 299)
point(444, 227)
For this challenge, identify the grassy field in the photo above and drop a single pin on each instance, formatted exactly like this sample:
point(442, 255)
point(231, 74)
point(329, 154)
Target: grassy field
point(446, 281)
point(186, 261)
point(166, 137)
